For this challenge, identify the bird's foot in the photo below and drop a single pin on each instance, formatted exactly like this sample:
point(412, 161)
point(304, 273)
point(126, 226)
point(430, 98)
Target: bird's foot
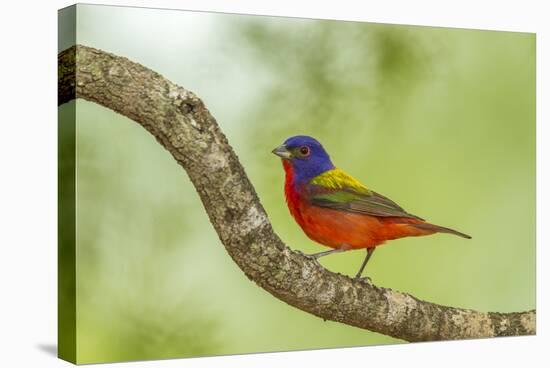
point(366, 279)
point(312, 257)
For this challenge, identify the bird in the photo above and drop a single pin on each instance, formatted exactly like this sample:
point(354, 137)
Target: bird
point(336, 210)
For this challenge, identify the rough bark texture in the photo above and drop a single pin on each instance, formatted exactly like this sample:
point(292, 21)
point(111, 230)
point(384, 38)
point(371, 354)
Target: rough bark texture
point(181, 123)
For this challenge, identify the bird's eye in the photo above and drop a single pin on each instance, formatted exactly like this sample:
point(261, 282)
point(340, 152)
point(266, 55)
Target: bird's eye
point(304, 151)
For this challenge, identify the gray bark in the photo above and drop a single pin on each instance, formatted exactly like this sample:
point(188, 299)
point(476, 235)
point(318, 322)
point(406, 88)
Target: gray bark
point(182, 124)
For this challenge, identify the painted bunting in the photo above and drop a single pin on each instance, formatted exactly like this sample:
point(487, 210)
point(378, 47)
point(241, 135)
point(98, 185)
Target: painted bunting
point(336, 210)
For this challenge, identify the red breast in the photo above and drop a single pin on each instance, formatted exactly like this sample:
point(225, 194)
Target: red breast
point(291, 194)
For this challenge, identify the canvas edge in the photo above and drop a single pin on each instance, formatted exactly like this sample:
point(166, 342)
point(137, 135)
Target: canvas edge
point(66, 251)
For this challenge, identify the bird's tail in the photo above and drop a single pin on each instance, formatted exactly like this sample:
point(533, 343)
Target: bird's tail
point(440, 229)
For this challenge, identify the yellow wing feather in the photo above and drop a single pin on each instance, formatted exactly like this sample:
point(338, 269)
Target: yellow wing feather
point(339, 179)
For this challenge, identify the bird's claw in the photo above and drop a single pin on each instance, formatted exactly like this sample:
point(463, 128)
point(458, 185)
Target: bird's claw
point(311, 257)
point(366, 279)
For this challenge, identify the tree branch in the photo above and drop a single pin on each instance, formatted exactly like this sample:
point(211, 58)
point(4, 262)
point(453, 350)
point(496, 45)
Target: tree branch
point(182, 124)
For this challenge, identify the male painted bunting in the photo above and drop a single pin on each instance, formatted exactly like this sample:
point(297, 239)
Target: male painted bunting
point(336, 210)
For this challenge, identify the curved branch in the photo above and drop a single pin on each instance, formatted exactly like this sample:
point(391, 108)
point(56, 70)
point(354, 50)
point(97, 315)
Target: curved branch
point(181, 123)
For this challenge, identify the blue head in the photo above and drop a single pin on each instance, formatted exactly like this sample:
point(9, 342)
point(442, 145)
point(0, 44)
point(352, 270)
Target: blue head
point(306, 155)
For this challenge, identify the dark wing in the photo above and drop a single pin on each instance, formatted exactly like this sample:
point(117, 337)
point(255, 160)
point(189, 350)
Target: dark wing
point(356, 201)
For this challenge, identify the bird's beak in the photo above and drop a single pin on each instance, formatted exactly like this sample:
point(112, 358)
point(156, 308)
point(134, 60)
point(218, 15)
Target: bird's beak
point(282, 152)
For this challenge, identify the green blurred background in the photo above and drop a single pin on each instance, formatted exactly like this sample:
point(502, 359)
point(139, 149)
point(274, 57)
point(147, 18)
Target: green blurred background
point(440, 120)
